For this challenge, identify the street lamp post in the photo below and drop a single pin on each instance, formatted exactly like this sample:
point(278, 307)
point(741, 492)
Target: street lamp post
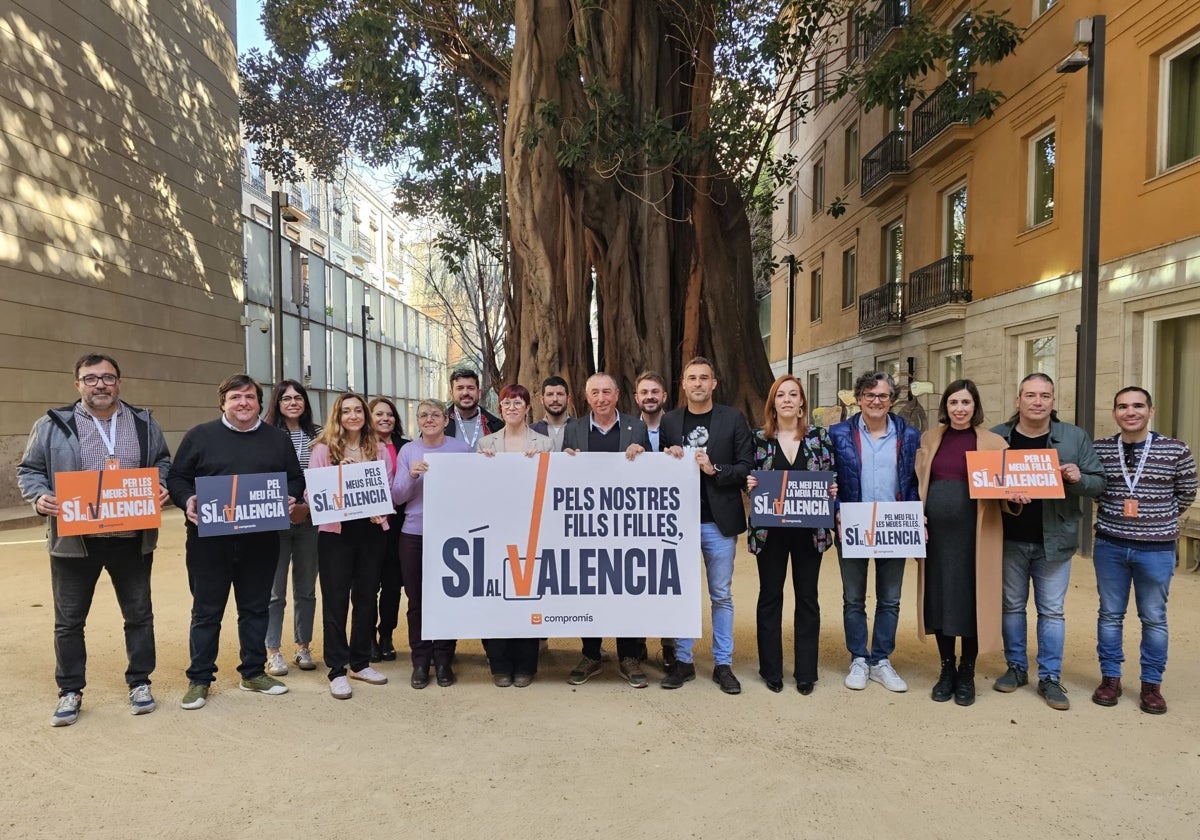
point(1089, 32)
point(791, 312)
point(366, 319)
point(278, 202)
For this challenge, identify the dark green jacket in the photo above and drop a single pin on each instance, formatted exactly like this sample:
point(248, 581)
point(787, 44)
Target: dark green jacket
point(1060, 517)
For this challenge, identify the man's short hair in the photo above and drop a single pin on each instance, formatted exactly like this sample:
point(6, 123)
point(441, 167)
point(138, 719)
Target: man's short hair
point(701, 360)
point(1127, 389)
point(597, 375)
point(235, 383)
point(1037, 374)
point(89, 359)
point(555, 382)
point(464, 373)
point(868, 380)
point(653, 376)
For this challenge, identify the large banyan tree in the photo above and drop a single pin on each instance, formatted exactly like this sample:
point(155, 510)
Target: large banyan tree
point(616, 150)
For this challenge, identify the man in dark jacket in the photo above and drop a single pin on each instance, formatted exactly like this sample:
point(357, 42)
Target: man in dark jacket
point(604, 429)
point(876, 453)
point(469, 422)
point(724, 451)
point(98, 430)
point(1041, 539)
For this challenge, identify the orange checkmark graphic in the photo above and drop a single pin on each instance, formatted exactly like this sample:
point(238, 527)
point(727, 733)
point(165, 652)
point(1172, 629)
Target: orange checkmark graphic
point(231, 508)
point(522, 573)
point(782, 493)
point(870, 535)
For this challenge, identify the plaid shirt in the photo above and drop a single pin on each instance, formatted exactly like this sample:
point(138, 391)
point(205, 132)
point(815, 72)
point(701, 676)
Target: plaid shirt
point(92, 451)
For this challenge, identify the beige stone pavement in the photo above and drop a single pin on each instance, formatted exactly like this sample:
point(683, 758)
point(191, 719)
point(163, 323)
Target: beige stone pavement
point(601, 760)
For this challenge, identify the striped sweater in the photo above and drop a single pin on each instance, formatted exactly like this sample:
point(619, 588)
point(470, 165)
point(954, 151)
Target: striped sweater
point(1166, 488)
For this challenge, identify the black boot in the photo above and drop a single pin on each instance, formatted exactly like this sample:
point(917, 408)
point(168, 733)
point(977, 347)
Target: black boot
point(943, 689)
point(964, 692)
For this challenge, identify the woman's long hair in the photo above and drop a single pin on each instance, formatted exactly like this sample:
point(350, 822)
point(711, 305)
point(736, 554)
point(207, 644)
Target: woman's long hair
point(334, 436)
point(275, 416)
point(771, 414)
point(397, 429)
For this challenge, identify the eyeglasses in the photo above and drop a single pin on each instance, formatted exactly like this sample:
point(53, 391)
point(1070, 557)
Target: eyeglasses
point(92, 380)
point(878, 398)
point(512, 403)
point(430, 415)
point(292, 398)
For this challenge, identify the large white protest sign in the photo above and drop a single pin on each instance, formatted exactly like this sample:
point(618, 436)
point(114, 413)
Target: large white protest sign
point(882, 529)
point(348, 491)
point(561, 545)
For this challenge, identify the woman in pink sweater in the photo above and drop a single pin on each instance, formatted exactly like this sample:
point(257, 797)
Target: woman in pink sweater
point(350, 554)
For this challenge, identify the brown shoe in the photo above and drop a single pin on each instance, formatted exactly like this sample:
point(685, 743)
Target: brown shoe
point(1152, 702)
point(1107, 692)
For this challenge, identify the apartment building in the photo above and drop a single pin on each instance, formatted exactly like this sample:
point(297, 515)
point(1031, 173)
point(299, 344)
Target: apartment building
point(347, 284)
point(961, 250)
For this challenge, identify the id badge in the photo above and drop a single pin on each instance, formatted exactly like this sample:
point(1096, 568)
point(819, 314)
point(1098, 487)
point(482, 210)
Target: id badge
point(112, 463)
point(1130, 508)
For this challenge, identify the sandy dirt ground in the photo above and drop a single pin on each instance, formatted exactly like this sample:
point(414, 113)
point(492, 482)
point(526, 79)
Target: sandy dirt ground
point(601, 760)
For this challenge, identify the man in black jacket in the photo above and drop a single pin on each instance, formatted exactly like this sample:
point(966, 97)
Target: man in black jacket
point(724, 451)
point(604, 429)
point(469, 422)
point(236, 443)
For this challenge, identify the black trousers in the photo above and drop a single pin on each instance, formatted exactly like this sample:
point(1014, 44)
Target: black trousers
point(390, 580)
point(512, 656)
point(424, 651)
point(245, 562)
point(782, 543)
point(349, 564)
point(626, 648)
point(73, 582)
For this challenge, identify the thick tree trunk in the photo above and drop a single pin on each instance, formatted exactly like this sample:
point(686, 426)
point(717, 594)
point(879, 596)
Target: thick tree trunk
point(668, 247)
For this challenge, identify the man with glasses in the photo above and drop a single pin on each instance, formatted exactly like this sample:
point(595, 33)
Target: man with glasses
point(98, 432)
point(469, 422)
point(876, 453)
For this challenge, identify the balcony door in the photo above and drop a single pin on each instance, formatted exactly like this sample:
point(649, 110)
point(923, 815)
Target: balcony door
point(954, 221)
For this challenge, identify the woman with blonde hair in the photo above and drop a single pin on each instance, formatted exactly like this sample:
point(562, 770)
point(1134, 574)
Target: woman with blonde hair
point(408, 489)
point(350, 553)
point(787, 442)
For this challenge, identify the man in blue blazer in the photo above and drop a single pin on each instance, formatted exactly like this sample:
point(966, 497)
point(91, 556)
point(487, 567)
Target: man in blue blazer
point(604, 429)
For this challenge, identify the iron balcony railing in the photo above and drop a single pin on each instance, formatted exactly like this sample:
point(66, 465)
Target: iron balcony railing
point(946, 281)
point(882, 306)
point(366, 245)
point(889, 157)
point(890, 15)
point(938, 111)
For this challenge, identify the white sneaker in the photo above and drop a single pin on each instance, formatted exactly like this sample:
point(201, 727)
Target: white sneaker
point(276, 667)
point(369, 675)
point(340, 688)
point(857, 678)
point(884, 674)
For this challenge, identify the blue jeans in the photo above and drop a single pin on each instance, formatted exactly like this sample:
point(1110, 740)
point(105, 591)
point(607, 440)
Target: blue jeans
point(1024, 562)
point(718, 551)
point(298, 549)
point(1150, 573)
point(889, 578)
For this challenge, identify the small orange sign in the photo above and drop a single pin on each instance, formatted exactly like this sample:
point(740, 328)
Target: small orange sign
point(1015, 472)
point(107, 501)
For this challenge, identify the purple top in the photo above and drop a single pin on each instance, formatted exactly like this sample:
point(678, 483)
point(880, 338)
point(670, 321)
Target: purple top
point(409, 491)
point(950, 461)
